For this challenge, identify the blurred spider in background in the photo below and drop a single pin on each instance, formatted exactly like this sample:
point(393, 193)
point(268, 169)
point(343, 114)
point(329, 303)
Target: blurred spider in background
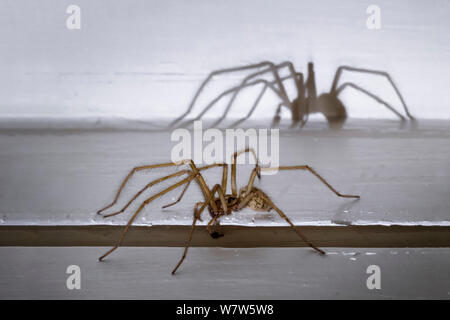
point(306, 102)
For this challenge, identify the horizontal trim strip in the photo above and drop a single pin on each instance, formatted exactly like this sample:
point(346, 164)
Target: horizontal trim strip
point(370, 236)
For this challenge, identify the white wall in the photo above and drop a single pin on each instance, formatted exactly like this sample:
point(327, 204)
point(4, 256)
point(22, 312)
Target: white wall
point(142, 58)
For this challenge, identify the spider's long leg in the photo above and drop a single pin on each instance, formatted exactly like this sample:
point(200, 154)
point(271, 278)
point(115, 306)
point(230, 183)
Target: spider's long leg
point(176, 185)
point(224, 182)
point(281, 213)
point(278, 80)
point(340, 70)
point(179, 198)
point(258, 99)
point(302, 102)
point(145, 188)
point(210, 76)
point(370, 94)
point(233, 167)
point(308, 168)
point(277, 118)
point(223, 94)
point(256, 172)
point(255, 104)
point(201, 181)
point(149, 184)
point(208, 226)
point(130, 174)
point(217, 189)
point(197, 214)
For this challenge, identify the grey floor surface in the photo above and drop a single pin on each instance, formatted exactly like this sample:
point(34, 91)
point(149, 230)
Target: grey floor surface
point(218, 273)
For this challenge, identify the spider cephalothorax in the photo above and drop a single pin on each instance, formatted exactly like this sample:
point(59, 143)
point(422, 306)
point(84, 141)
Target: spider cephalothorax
point(218, 202)
point(306, 100)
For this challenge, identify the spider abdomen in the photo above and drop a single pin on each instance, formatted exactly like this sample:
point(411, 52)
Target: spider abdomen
point(258, 204)
point(332, 108)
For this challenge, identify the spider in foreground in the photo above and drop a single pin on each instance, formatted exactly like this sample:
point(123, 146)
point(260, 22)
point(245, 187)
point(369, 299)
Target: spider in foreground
point(305, 103)
point(218, 202)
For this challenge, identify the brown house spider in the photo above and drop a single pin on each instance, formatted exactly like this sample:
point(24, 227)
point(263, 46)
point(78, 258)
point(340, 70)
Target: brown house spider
point(305, 103)
point(218, 205)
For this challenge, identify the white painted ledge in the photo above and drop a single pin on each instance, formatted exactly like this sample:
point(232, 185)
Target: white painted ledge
point(62, 177)
point(59, 178)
